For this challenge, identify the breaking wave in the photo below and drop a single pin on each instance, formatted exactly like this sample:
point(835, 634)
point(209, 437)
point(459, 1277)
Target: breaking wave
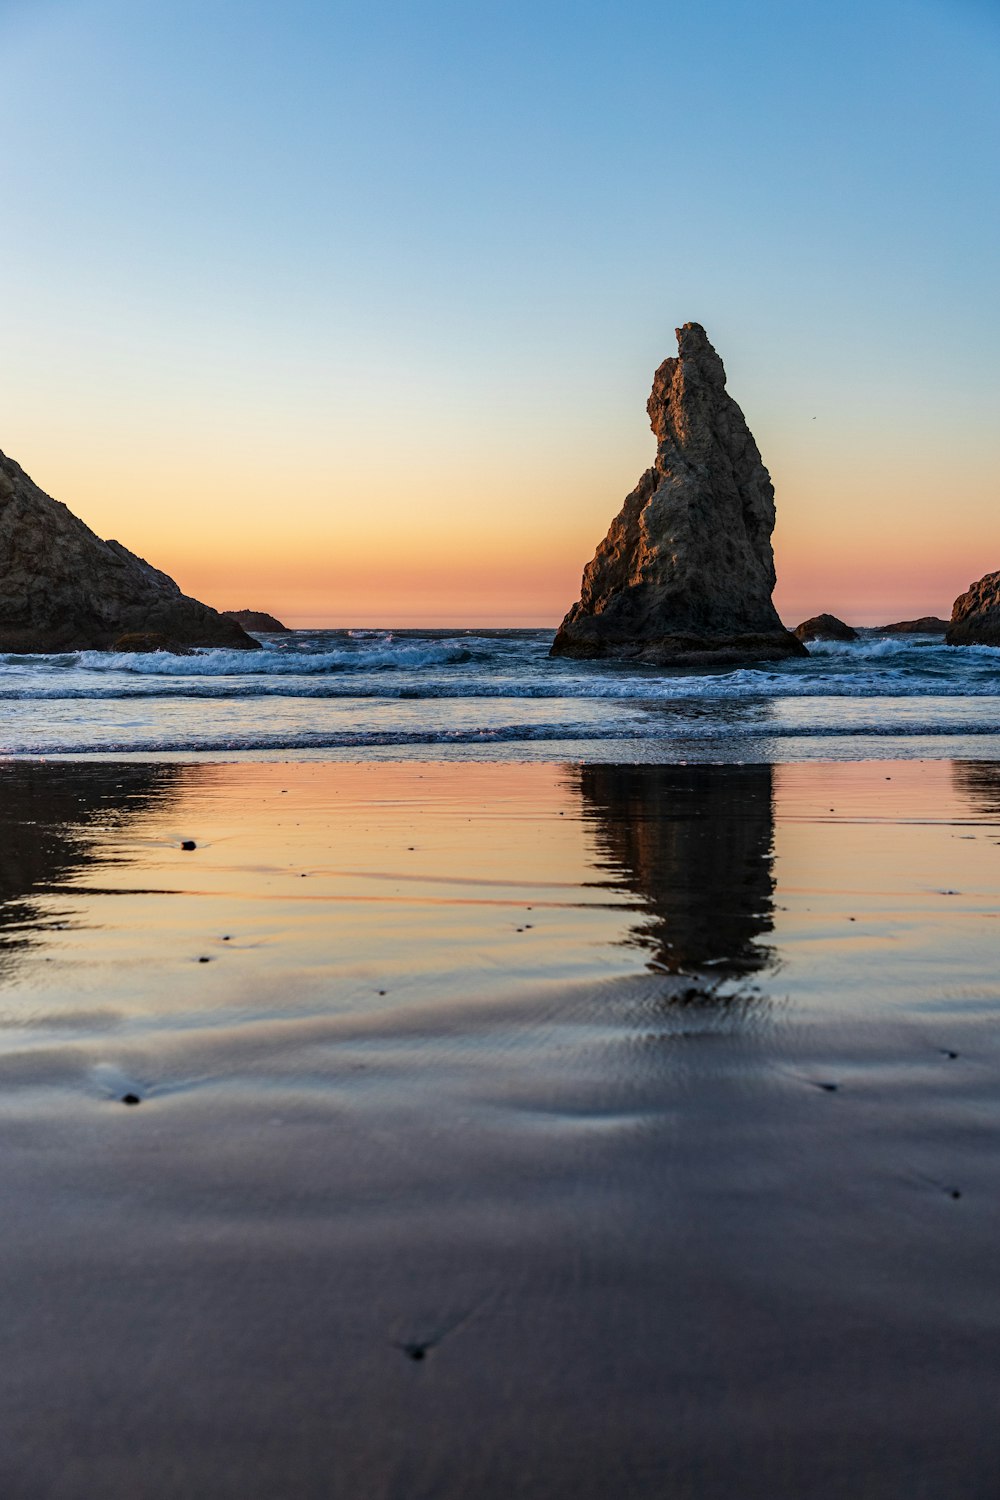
point(364, 689)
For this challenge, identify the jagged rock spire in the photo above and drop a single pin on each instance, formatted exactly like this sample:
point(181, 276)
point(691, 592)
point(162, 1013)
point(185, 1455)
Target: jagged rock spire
point(686, 571)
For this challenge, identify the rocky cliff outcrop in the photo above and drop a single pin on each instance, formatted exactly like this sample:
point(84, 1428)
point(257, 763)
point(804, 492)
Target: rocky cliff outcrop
point(63, 589)
point(926, 625)
point(686, 572)
point(975, 616)
point(256, 619)
point(825, 628)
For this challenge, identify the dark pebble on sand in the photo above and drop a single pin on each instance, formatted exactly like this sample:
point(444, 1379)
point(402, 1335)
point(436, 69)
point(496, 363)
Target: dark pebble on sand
point(188, 844)
point(131, 1099)
point(204, 960)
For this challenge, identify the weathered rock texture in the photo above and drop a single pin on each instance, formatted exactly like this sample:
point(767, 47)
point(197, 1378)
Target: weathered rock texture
point(685, 574)
point(926, 625)
point(825, 628)
point(975, 615)
point(63, 589)
point(256, 619)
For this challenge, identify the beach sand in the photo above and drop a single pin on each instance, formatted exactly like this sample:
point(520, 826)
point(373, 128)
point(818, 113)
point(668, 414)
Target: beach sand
point(505, 1130)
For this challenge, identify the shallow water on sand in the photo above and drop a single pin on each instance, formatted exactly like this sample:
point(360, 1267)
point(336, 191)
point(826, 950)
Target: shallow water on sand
point(504, 1129)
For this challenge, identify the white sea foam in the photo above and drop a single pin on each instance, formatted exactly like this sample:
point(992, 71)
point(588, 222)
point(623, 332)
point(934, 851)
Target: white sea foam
point(380, 688)
point(264, 663)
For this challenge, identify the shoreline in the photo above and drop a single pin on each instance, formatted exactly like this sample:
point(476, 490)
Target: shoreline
point(740, 749)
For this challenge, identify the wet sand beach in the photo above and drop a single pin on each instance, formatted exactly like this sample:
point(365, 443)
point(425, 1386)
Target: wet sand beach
point(540, 1130)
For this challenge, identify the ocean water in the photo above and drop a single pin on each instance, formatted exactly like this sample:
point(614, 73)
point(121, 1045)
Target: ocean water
point(497, 694)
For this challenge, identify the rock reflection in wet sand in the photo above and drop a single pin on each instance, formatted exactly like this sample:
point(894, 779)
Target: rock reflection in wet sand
point(52, 818)
point(695, 845)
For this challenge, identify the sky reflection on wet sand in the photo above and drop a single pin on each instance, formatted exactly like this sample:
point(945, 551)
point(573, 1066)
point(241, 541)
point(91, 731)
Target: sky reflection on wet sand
point(669, 1090)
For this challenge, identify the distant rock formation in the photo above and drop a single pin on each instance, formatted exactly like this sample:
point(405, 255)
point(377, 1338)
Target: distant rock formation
point(975, 615)
point(825, 628)
point(63, 589)
point(926, 625)
point(256, 619)
point(684, 576)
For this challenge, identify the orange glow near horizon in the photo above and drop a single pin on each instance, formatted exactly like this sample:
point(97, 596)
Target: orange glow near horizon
point(318, 534)
point(505, 596)
point(425, 580)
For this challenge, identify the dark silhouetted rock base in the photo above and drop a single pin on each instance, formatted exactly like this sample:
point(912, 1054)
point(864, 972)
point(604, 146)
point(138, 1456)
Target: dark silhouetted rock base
point(926, 625)
point(825, 628)
point(256, 619)
point(145, 641)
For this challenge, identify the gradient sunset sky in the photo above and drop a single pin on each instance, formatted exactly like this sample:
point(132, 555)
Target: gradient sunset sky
point(350, 312)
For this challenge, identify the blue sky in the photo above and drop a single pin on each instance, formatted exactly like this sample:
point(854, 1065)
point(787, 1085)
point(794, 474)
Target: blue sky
point(412, 266)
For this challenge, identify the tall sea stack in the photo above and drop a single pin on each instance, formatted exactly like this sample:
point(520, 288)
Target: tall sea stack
point(63, 589)
point(684, 576)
